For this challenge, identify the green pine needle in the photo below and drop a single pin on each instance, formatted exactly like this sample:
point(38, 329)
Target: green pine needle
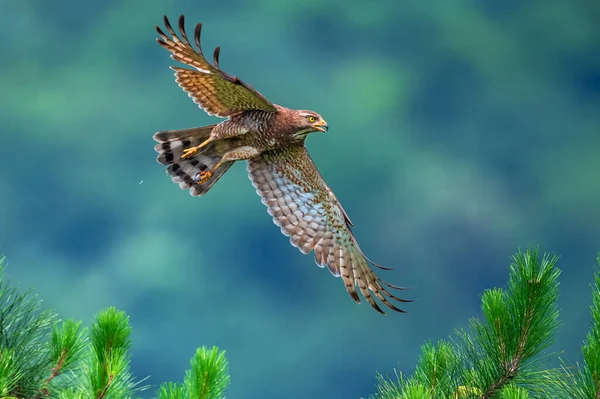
point(169, 390)
point(109, 373)
point(584, 381)
point(10, 374)
point(521, 322)
point(67, 345)
point(500, 355)
point(415, 390)
point(388, 389)
point(209, 374)
point(23, 327)
point(512, 391)
point(437, 369)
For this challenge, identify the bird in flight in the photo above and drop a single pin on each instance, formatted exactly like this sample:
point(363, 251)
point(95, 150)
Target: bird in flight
point(271, 139)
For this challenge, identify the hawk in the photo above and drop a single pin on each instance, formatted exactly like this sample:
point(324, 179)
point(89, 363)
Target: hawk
point(271, 139)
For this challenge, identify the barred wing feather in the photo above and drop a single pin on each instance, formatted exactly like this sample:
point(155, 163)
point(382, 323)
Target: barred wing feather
point(308, 212)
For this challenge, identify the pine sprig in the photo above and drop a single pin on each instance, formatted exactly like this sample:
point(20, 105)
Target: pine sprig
point(499, 355)
point(10, 374)
point(23, 326)
point(41, 357)
point(66, 345)
point(513, 392)
point(584, 381)
point(66, 350)
point(170, 390)
point(521, 322)
point(208, 376)
point(387, 388)
point(437, 369)
point(110, 341)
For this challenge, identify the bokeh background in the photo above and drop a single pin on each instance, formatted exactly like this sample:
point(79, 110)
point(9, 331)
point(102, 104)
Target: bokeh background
point(459, 132)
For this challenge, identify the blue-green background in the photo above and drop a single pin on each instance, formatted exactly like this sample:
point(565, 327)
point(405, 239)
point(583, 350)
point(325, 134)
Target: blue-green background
point(459, 131)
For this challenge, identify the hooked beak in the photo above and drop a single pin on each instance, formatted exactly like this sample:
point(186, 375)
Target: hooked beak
point(321, 126)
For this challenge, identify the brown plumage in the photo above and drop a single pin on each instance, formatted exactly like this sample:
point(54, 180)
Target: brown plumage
point(271, 138)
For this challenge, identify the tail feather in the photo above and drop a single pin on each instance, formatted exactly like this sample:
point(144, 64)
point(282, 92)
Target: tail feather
point(171, 143)
point(186, 172)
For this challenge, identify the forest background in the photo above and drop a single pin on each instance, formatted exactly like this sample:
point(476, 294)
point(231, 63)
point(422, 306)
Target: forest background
point(459, 131)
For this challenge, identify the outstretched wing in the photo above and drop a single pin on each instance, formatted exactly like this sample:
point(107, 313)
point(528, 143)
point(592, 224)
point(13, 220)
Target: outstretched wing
point(215, 91)
point(308, 212)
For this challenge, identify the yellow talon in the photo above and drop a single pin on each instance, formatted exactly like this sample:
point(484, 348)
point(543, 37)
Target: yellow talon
point(202, 177)
point(189, 152)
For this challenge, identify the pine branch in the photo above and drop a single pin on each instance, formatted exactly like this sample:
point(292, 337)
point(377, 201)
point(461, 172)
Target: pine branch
point(109, 370)
point(521, 322)
point(437, 369)
point(170, 390)
point(209, 375)
point(207, 378)
point(513, 392)
point(584, 381)
point(23, 327)
point(498, 358)
point(66, 350)
point(41, 358)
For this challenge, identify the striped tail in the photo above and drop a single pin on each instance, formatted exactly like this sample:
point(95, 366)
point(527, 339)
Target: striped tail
point(186, 172)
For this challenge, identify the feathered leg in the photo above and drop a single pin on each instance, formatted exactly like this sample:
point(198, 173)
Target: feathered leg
point(173, 144)
point(237, 154)
point(190, 152)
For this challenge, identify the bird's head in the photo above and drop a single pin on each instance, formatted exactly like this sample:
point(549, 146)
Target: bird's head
point(309, 122)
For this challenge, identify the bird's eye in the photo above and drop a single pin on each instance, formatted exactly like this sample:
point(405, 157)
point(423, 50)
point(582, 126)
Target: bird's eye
point(311, 119)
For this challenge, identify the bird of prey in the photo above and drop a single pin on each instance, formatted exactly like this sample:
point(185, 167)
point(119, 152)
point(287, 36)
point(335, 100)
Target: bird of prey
point(271, 139)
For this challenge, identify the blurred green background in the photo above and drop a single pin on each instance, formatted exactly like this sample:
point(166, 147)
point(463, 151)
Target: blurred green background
point(459, 131)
